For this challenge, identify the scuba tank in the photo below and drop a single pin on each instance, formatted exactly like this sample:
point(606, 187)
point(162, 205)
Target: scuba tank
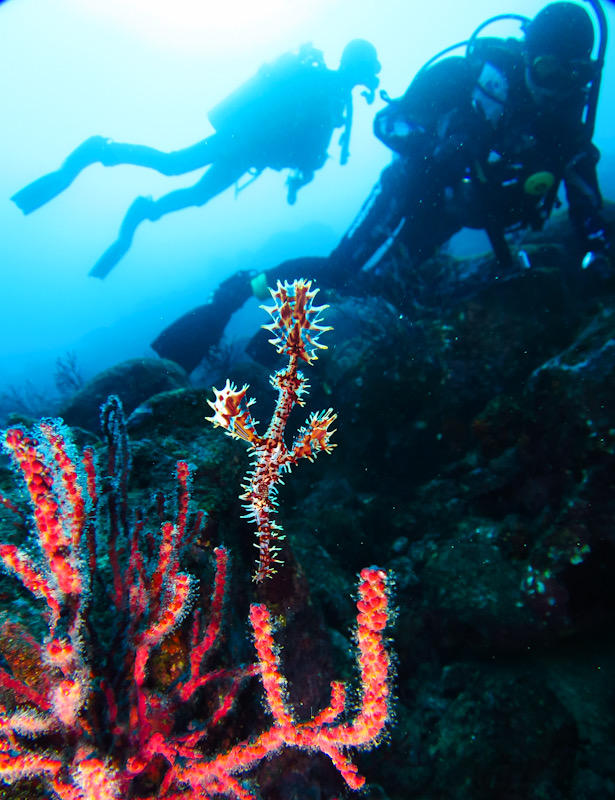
point(266, 93)
point(594, 92)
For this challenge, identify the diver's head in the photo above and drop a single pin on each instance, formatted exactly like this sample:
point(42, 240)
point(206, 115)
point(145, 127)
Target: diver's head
point(359, 66)
point(558, 46)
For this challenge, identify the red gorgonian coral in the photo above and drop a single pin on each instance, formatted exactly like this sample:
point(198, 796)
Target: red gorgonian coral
point(81, 713)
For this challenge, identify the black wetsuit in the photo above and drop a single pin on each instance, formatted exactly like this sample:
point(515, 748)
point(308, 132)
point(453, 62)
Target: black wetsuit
point(453, 168)
point(459, 170)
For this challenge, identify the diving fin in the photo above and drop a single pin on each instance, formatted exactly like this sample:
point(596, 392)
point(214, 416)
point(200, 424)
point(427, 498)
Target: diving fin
point(141, 209)
point(41, 191)
point(44, 189)
point(110, 258)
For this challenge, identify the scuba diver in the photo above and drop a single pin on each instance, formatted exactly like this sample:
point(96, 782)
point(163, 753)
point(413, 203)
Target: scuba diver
point(483, 140)
point(283, 118)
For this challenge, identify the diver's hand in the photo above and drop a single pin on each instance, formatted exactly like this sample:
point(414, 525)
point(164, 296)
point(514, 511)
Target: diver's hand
point(599, 263)
point(295, 181)
point(293, 184)
point(599, 256)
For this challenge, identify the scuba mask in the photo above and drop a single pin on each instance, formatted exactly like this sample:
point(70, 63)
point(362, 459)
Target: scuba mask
point(554, 74)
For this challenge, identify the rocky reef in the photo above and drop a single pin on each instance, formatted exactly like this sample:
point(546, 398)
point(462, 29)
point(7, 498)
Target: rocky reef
point(475, 459)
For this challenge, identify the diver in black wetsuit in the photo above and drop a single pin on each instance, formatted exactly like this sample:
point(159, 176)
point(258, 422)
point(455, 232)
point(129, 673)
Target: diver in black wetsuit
point(481, 141)
point(485, 142)
point(283, 118)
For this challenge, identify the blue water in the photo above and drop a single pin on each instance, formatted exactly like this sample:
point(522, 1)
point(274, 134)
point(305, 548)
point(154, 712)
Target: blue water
point(148, 72)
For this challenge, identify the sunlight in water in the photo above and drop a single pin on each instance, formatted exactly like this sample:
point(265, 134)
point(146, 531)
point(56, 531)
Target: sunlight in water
point(212, 25)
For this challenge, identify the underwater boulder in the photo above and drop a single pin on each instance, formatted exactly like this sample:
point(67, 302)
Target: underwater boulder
point(133, 381)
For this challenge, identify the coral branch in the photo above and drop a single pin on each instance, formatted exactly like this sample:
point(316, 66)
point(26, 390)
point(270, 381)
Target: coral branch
point(319, 733)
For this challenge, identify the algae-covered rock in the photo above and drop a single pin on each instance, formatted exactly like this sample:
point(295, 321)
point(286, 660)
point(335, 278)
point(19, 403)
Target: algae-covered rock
point(132, 381)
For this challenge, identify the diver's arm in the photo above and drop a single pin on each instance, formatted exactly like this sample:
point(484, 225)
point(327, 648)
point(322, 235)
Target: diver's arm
point(585, 200)
point(378, 219)
point(191, 337)
point(319, 269)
